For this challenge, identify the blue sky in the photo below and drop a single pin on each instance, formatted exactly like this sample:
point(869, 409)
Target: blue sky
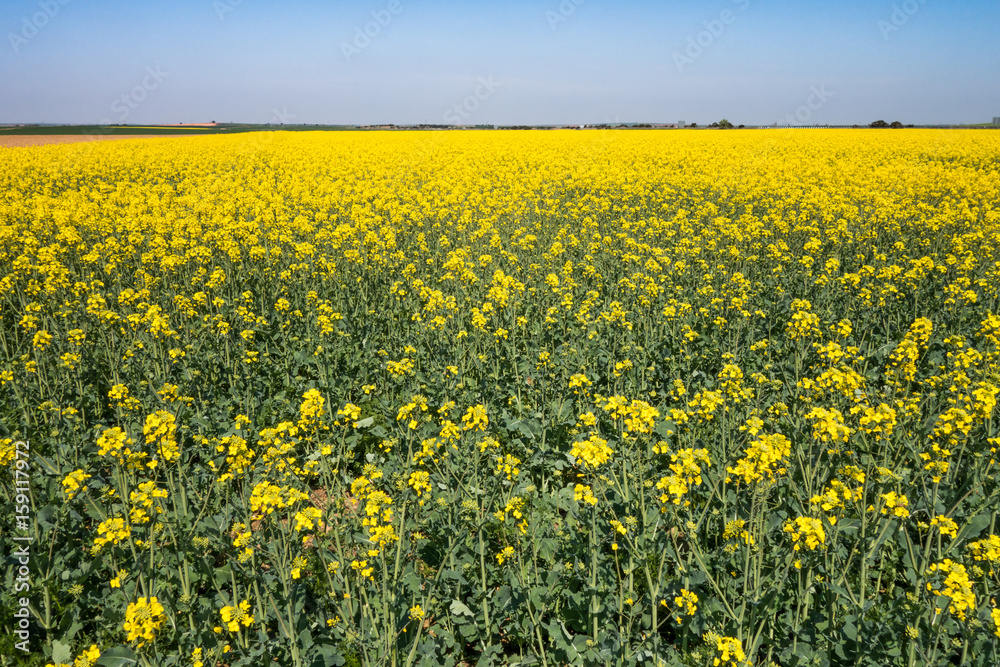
point(516, 62)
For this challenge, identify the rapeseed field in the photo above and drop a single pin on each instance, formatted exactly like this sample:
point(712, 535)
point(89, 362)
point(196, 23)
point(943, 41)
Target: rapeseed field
point(550, 398)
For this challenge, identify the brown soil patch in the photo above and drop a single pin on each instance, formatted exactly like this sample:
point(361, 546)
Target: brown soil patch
point(27, 140)
point(319, 498)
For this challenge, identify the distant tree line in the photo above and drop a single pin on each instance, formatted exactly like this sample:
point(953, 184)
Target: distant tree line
point(894, 124)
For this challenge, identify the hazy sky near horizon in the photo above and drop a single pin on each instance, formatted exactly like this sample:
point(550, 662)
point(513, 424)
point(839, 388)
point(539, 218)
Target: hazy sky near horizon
point(515, 62)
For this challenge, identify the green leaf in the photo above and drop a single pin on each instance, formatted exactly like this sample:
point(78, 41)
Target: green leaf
point(46, 517)
point(975, 526)
point(664, 428)
point(459, 609)
point(804, 651)
point(119, 656)
point(223, 575)
point(61, 652)
point(536, 596)
point(412, 581)
point(850, 630)
point(547, 548)
point(97, 509)
point(562, 411)
point(48, 465)
point(469, 631)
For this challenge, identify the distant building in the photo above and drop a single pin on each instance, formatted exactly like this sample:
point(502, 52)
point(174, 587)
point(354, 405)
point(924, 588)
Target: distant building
point(681, 123)
point(996, 121)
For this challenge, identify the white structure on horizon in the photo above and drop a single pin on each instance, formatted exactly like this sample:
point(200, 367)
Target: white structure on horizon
point(681, 123)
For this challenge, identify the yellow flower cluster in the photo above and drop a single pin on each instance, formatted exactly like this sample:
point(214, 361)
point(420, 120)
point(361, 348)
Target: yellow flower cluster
point(639, 416)
point(507, 465)
point(841, 380)
point(828, 425)
point(579, 382)
point(505, 554)
point(120, 395)
point(731, 383)
point(879, 421)
point(475, 418)
point(419, 481)
point(594, 451)
point(987, 549)
point(583, 493)
point(836, 495)
point(378, 513)
point(73, 483)
point(764, 459)
point(266, 498)
point(114, 442)
point(311, 410)
point(279, 456)
point(705, 404)
point(903, 360)
point(400, 368)
point(687, 603)
point(937, 462)
point(729, 651)
point(350, 413)
point(142, 619)
point(418, 405)
point(804, 323)
point(111, 531)
point(7, 451)
point(736, 530)
point(160, 431)
point(233, 617)
point(363, 569)
point(308, 518)
point(895, 505)
point(239, 456)
point(945, 526)
point(956, 586)
point(686, 468)
point(144, 499)
point(88, 658)
point(808, 529)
